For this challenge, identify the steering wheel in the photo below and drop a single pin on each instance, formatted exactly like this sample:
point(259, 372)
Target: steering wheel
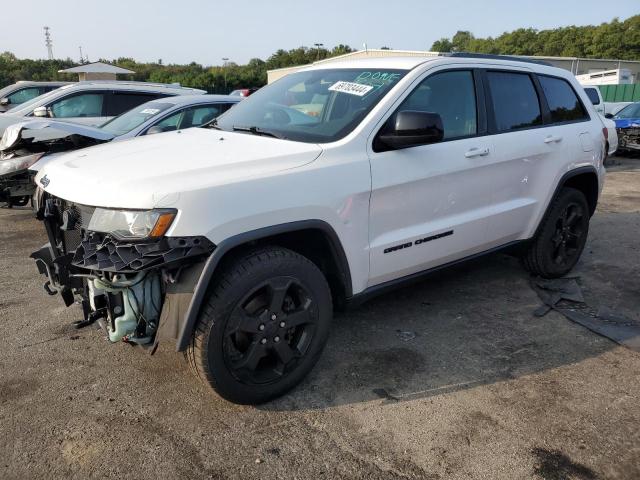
point(277, 115)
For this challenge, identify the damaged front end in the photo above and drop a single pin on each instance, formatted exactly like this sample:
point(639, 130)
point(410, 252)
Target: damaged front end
point(23, 144)
point(629, 138)
point(134, 287)
point(16, 180)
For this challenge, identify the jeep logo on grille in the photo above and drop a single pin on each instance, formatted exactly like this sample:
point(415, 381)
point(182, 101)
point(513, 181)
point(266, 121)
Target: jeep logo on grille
point(45, 181)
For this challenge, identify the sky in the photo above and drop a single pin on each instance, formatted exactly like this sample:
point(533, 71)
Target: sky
point(182, 31)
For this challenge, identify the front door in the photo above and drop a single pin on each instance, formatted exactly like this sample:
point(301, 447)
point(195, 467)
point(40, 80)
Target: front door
point(430, 203)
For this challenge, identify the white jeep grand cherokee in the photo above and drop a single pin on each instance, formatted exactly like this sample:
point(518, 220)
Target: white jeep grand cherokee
point(321, 189)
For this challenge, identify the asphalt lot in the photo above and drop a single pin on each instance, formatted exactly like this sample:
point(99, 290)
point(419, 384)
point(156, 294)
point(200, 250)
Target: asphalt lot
point(450, 378)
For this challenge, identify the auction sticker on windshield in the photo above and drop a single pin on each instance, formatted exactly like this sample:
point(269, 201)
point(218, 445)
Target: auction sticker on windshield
point(351, 88)
point(150, 111)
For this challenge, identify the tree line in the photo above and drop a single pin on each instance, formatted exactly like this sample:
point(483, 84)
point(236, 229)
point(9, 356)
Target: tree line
point(616, 39)
point(215, 79)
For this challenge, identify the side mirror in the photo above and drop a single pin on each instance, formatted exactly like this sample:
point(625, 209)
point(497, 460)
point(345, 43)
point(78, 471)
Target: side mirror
point(608, 115)
point(4, 101)
point(413, 128)
point(41, 112)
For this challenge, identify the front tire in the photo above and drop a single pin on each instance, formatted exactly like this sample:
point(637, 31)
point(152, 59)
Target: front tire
point(263, 327)
point(561, 237)
point(19, 201)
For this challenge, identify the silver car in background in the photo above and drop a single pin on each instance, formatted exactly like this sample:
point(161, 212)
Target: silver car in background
point(27, 146)
point(92, 103)
point(23, 91)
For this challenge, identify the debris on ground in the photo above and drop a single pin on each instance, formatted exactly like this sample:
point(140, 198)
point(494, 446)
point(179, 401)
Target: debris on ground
point(565, 296)
point(406, 335)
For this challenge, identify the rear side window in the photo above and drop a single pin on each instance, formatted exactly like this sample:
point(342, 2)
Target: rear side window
point(120, 102)
point(201, 115)
point(515, 101)
point(592, 93)
point(564, 104)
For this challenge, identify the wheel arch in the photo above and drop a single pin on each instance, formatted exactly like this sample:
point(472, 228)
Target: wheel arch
point(584, 179)
point(314, 239)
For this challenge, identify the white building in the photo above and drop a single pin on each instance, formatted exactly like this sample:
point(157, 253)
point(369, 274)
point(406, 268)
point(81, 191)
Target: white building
point(575, 65)
point(618, 76)
point(97, 71)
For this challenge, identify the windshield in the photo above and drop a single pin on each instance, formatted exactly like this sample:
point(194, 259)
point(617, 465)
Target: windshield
point(8, 89)
point(133, 118)
point(316, 106)
point(630, 111)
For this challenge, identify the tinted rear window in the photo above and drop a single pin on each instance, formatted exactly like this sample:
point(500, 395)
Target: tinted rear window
point(564, 104)
point(122, 102)
point(592, 93)
point(515, 101)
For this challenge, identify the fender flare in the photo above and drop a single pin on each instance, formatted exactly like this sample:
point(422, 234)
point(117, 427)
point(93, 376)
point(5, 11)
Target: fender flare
point(200, 290)
point(568, 175)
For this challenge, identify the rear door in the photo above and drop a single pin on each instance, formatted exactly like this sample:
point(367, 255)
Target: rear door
point(117, 102)
point(535, 120)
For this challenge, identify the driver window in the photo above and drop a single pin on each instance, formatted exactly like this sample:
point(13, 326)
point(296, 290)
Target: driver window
point(171, 122)
point(80, 105)
point(200, 115)
point(452, 96)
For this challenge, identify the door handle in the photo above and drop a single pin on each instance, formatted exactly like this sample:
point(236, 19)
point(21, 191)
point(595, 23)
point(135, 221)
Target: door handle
point(552, 139)
point(477, 152)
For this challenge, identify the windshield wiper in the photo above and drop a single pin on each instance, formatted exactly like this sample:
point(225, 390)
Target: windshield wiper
point(257, 131)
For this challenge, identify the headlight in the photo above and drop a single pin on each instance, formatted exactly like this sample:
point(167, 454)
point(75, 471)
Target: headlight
point(19, 163)
point(132, 224)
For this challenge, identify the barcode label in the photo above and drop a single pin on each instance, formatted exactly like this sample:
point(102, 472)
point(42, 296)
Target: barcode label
point(351, 88)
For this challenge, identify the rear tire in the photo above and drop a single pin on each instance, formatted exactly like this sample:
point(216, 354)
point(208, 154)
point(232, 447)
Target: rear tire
point(561, 237)
point(263, 327)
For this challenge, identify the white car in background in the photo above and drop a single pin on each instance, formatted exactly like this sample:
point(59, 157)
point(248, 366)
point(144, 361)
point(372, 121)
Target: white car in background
point(602, 107)
point(612, 135)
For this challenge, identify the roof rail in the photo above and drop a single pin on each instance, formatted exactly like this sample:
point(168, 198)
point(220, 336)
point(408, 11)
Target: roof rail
point(133, 82)
point(494, 57)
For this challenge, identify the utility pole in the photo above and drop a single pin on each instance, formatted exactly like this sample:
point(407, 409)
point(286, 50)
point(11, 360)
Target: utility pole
point(48, 42)
point(318, 45)
point(224, 67)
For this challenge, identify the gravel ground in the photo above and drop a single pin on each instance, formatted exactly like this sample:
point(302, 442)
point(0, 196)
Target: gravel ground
point(450, 378)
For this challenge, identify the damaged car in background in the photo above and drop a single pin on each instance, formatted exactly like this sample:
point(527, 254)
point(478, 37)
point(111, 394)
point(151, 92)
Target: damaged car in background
point(628, 127)
point(27, 146)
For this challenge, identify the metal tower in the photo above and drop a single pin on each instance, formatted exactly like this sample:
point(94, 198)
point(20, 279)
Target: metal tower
point(48, 42)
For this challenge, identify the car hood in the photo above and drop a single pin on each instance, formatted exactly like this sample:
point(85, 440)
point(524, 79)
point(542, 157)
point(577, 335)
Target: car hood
point(7, 119)
point(627, 122)
point(152, 171)
point(35, 131)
